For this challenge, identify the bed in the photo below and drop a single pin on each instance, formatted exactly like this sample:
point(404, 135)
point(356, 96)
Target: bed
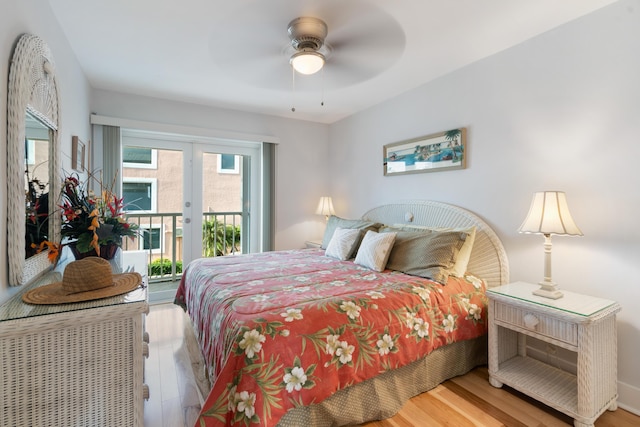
point(294, 338)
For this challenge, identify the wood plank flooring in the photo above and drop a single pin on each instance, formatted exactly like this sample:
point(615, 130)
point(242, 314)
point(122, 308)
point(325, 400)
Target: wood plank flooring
point(467, 400)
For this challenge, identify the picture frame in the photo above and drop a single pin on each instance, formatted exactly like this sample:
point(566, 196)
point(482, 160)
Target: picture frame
point(78, 154)
point(430, 153)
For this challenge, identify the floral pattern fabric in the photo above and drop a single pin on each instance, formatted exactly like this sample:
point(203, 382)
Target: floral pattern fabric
point(285, 329)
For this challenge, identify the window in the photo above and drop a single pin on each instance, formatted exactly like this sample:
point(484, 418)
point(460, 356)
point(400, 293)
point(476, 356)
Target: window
point(30, 151)
point(140, 194)
point(152, 238)
point(139, 157)
point(228, 163)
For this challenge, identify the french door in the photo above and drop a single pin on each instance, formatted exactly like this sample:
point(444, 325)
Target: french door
point(192, 198)
point(225, 192)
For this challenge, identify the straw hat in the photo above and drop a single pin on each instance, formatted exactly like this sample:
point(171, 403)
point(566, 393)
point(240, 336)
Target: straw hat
point(84, 280)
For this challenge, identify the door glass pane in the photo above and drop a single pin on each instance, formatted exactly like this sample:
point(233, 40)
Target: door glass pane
point(222, 203)
point(152, 183)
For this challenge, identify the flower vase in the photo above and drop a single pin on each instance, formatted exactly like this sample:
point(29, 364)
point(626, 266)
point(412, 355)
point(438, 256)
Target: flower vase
point(107, 251)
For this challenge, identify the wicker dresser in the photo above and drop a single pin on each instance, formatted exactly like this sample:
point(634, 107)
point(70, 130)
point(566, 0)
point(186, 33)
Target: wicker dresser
point(74, 365)
point(579, 323)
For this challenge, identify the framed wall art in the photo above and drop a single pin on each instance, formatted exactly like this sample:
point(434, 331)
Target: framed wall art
point(436, 152)
point(78, 154)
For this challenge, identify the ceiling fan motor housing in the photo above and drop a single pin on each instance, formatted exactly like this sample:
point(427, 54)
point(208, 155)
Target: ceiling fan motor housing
point(307, 33)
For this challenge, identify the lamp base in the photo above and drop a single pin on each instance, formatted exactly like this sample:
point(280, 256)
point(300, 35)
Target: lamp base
point(548, 290)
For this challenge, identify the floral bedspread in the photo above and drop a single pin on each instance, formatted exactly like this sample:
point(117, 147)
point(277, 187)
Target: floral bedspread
point(283, 329)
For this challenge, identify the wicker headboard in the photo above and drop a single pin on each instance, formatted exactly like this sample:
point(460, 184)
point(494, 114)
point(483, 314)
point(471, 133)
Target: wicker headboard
point(488, 257)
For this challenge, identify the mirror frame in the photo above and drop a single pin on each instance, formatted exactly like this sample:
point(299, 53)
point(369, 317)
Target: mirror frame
point(32, 87)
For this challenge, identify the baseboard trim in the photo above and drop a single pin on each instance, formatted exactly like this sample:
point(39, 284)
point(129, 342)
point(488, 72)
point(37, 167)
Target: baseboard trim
point(629, 398)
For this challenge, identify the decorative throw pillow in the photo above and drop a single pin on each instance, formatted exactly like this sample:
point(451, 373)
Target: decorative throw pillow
point(462, 260)
point(375, 249)
point(335, 222)
point(429, 254)
point(343, 243)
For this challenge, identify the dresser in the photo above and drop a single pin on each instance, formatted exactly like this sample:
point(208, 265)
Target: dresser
point(79, 364)
point(582, 324)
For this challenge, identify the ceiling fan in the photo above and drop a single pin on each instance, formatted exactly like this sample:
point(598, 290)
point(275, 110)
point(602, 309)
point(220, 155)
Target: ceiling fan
point(307, 36)
point(351, 41)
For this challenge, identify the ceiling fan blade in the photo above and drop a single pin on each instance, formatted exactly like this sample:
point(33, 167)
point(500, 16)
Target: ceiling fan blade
point(361, 44)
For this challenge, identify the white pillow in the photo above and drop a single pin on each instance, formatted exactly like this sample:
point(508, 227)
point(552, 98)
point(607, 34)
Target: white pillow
point(375, 249)
point(343, 243)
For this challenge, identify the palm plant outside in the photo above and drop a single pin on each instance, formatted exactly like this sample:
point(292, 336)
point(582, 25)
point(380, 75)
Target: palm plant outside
point(219, 239)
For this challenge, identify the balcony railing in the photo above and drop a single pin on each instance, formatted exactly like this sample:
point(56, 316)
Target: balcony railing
point(162, 241)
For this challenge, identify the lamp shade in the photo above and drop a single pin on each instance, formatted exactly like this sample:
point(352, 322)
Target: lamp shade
point(549, 214)
point(325, 207)
point(307, 61)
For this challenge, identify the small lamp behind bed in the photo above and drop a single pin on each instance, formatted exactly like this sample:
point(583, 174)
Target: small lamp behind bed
point(549, 214)
point(325, 207)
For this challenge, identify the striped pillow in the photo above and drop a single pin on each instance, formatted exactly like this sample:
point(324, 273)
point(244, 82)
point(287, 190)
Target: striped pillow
point(429, 254)
point(375, 249)
point(462, 260)
point(343, 243)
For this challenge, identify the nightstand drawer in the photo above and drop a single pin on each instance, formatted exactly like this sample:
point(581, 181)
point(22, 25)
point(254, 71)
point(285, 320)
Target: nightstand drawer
point(536, 322)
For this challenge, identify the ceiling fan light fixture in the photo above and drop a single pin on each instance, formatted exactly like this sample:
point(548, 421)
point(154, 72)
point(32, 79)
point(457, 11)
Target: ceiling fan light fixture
point(307, 61)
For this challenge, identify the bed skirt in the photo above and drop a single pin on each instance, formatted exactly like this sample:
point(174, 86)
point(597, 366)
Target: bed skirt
point(374, 399)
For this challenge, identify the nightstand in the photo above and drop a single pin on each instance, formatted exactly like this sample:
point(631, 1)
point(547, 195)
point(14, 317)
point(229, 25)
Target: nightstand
point(579, 323)
point(313, 244)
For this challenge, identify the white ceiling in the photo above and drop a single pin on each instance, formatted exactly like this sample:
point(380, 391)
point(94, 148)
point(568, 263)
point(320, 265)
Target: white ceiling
point(234, 53)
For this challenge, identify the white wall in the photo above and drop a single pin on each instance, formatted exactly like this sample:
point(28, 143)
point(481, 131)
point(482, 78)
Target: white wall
point(36, 17)
point(561, 111)
point(302, 153)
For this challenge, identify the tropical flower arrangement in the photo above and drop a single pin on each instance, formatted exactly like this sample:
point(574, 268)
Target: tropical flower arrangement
point(90, 221)
point(37, 214)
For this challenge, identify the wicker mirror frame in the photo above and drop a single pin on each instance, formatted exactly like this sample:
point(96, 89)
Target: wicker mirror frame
point(32, 88)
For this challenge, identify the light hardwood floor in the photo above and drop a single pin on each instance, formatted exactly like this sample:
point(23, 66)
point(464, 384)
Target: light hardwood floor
point(467, 400)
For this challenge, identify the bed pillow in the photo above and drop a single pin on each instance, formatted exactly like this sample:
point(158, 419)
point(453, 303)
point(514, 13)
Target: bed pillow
point(343, 243)
point(429, 254)
point(335, 222)
point(375, 249)
point(462, 260)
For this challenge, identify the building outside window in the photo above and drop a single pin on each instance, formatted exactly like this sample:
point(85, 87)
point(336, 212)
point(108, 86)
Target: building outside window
point(140, 194)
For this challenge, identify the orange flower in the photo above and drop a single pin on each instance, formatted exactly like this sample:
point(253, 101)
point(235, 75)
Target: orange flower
point(54, 250)
point(95, 224)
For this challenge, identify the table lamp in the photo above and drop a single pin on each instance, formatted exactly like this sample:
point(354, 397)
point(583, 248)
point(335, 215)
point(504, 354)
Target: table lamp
point(549, 214)
point(325, 207)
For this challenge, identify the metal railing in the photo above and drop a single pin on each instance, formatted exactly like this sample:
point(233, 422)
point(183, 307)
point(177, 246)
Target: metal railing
point(221, 233)
point(161, 239)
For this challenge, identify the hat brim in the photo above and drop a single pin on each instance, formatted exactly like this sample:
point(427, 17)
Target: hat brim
point(55, 294)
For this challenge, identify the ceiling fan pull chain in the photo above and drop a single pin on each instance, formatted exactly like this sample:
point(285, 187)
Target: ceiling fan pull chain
point(322, 87)
point(293, 89)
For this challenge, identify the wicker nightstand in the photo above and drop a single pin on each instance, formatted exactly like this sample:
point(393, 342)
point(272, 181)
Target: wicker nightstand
point(79, 364)
point(313, 244)
point(579, 323)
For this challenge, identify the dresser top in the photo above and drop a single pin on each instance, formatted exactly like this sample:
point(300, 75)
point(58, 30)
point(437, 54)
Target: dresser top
point(581, 305)
point(15, 308)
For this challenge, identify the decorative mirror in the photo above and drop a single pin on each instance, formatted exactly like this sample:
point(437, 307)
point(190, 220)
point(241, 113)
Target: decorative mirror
point(32, 123)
